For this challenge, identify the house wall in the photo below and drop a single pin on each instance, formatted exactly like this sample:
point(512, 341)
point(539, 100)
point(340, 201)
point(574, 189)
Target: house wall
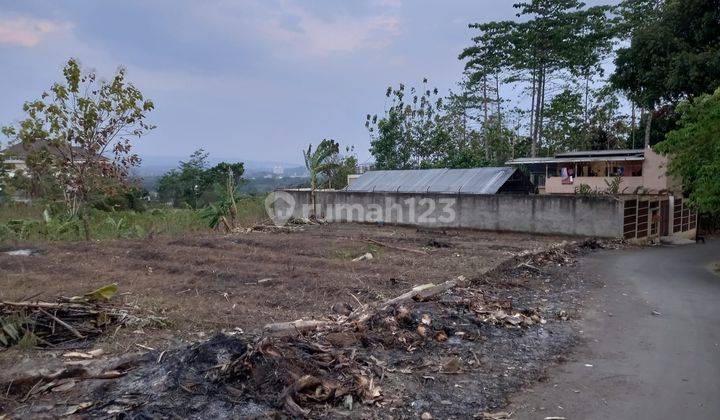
point(655, 176)
point(554, 185)
point(14, 165)
point(595, 216)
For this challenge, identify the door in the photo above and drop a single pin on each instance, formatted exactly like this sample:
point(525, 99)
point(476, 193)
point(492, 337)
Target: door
point(664, 217)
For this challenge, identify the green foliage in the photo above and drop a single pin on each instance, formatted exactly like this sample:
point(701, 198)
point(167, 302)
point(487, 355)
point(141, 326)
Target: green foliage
point(694, 149)
point(550, 39)
point(673, 55)
point(27, 224)
point(422, 130)
point(336, 176)
point(225, 211)
point(406, 137)
point(13, 329)
point(564, 125)
point(321, 160)
point(194, 185)
point(613, 186)
point(584, 190)
point(79, 133)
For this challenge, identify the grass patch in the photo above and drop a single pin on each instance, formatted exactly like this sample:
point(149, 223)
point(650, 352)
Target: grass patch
point(27, 223)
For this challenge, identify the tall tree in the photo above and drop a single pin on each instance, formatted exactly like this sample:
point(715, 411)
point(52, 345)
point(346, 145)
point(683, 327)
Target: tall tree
point(542, 45)
point(552, 37)
point(487, 59)
point(408, 134)
point(672, 57)
point(84, 129)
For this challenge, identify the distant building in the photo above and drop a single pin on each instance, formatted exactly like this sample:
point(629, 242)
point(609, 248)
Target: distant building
point(15, 156)
point(278, 171)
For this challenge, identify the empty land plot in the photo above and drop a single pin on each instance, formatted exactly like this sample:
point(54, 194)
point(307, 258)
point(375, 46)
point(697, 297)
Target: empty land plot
point(208, 283)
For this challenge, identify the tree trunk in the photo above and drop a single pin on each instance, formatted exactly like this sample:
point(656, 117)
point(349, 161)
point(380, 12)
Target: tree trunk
point(587, 95)
point(541, 114)
point(86, 224)
point(539, 102)
point(485, 118)
point(313, 182)
point(499, 102)
point(648, 127)
point(586, 113)
point(632, 125)
point(532, 116)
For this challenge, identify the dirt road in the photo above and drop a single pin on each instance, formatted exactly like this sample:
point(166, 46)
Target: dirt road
point(652, 347)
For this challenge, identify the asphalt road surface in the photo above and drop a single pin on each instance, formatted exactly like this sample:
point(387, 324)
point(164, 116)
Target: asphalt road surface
point(652, 341)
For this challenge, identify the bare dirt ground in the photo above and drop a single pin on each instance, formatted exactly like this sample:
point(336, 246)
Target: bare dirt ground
point(454, 355)
point(206, 284)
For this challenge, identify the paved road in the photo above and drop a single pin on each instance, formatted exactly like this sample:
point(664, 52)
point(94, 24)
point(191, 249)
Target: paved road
point(643, 365)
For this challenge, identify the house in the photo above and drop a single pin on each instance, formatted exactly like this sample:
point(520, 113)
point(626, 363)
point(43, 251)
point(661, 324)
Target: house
point(15, 156)
point(641, 171)
point(14, 159)
point(653, 202)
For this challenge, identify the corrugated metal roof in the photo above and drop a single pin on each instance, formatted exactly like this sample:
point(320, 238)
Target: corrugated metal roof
point(620, 155)
point(527, 161)
point(617, 152)
point(468, 181)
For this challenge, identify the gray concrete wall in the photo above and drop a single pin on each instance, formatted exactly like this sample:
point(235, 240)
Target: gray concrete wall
point(597, 216)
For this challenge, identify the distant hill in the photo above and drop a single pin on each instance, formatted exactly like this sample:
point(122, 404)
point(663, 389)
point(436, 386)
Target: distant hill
point(260, 176)
point(159, 165)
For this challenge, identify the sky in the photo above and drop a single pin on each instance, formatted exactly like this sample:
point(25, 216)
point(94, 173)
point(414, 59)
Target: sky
point(245, 79)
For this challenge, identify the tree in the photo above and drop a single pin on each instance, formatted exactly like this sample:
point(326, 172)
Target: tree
point(82, 129)
point(337, 175)
point(487, 59)
point(694, 151)
point(406, 136)
point(424, 130)
point(319, 162)
point(224, 211)
point(184, 185)
point(4, 177)
point(195, 185)
point(554, 38)
point(672, 57)
point(564, 127)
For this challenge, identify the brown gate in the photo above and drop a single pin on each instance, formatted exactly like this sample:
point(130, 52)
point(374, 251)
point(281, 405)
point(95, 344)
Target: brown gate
point(664, 218)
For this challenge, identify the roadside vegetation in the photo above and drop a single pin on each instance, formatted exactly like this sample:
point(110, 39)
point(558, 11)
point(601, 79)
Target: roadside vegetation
point(25, 223)
point(79, 138)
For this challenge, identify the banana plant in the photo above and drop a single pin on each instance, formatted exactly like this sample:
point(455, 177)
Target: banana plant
point(319, 162)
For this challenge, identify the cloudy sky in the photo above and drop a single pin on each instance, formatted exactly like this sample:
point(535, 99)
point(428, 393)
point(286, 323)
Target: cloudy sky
point(244, 79)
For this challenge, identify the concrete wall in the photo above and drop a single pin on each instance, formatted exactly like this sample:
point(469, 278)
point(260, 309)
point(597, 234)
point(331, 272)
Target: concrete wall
point(602, 217)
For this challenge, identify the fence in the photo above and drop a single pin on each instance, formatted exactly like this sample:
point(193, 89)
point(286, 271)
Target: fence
point(568, 215)
point(652, 216)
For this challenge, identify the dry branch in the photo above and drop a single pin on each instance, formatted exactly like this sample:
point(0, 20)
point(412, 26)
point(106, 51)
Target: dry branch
point(67, 326)
point(395, 247)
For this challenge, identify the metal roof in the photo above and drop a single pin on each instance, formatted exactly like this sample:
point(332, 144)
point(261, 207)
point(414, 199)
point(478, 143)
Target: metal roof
point(593, 153)
point(619, 155)
point(526, 161)
point(468, 181)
